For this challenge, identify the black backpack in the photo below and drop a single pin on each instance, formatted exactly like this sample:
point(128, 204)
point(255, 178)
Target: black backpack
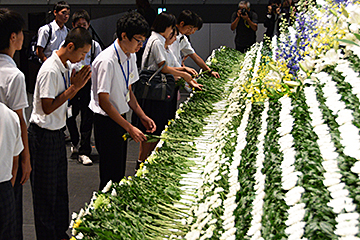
point(32, 56)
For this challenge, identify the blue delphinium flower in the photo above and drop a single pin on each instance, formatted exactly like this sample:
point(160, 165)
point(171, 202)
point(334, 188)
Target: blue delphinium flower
point(292, 48)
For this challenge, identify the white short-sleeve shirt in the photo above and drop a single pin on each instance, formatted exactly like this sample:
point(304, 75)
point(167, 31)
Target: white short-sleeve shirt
point(171, 60)
point(50, 83)
point(10, 141)
point(12, 84)
point(58, 35)
point(157, 53)
point(181, 47)
point(107, 77)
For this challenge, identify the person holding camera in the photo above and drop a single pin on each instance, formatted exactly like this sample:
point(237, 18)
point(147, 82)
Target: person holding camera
point(244, 22)
point(273, 18)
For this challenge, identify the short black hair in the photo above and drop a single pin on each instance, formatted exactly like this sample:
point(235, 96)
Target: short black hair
point(132, 23)
point(80, 14)
point(163, 21)
point(188, 17)
point(10, 22)
point(175, 32)
point(199, 22)
point(61, 5)
point(79, 36)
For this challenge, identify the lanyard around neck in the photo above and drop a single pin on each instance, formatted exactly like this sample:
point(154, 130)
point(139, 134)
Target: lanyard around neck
point(66, 82)
point(122, 69)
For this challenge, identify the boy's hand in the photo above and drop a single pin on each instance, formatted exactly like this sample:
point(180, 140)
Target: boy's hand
point(80, 78)
point(136, 134)
point(192, 71)
point(149, 124)
point(195, 84)
point(215, 74)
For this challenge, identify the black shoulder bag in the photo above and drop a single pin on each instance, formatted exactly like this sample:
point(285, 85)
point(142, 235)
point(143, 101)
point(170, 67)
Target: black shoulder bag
point(154, 85)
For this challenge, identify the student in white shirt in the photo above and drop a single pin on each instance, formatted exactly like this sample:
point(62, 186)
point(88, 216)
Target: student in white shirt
point(160, 111)
point(171, 60)
point(114, 70)
point(46, 137)
point(13, 95)
point(187, 23)
point(81, 147)
point(58, 32)
point(10, 147)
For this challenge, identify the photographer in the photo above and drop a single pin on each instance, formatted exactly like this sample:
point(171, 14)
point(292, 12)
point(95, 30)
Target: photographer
point(273, 18)
point(244, 22)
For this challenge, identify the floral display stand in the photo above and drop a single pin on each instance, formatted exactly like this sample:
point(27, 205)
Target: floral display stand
point(271, 150)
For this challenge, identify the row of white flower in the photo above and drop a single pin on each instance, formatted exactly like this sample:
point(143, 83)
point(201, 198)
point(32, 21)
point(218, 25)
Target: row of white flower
point(258, 203)
point(349, 133)
point(212, 172)
point(205, 220)
point(346, 222)
point(230, 202)
point(203, 145)
point(353, 79)
point(289, 177)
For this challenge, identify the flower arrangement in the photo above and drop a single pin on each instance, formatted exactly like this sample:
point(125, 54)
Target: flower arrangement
point(273, 151)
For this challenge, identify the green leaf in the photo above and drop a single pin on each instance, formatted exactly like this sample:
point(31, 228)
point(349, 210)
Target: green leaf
point(327, 228)
point(357, 36)
point(347, 41)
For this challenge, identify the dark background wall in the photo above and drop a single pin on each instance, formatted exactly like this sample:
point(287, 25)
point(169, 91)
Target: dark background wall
point(211, 13)
point(36, 15)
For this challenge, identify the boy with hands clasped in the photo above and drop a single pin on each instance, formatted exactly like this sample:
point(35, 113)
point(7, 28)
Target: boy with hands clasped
point(55, 85)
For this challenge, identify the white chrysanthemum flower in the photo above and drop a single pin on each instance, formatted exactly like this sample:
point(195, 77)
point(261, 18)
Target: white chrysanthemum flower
point(192, 235)
point(356, 167)
point(107, 187)
point(80, 236)
point(113, 193)
point(81, 213)
point(299, 226)
point(295, 218)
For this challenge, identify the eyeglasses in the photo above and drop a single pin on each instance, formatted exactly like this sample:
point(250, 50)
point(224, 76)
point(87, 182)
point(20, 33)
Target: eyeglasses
point(140, 42)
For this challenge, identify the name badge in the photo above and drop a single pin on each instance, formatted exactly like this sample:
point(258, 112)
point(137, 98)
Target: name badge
point(128, 96)
point(69, 111)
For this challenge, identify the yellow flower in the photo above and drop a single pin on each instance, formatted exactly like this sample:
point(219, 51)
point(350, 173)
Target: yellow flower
point(124, 137)
point(72, 238)
point(77, 223)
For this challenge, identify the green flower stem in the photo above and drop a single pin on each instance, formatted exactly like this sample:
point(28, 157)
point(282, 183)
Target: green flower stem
point(275, 208)
point(247, 171)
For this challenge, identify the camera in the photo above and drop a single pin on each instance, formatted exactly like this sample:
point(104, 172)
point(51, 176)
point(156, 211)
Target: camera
point(274, 7)
point(244, 12)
